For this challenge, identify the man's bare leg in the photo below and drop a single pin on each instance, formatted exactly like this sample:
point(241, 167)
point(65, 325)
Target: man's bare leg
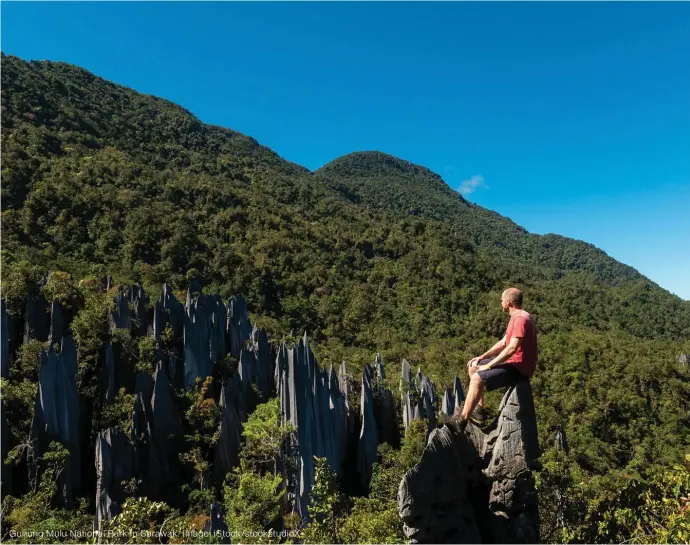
point(475, 394)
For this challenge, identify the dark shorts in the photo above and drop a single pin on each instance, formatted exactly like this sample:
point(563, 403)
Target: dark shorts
point(504, 374)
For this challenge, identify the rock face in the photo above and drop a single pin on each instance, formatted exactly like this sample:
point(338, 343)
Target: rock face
point(477, 487)
point(368, 437)
point(114, 464)
point(56, 415)
point(434, 497)
point(226, 450)
point(315, 403)
point(4, 342)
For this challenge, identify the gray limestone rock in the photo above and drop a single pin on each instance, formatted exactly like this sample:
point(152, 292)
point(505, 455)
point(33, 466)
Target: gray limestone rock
point(57, 324)
point(119, 318)
point(114, 464)
point(239, 327)
point(6, 470)
point(344, 384)
point(4, 342)
point(197, 354)
point(477, 486)
point(56, 415)
point(141, 315)
point(338, 419)
point(174, 309)
point(264, 369)
point(109, 372)
point(407, 412)
point(166, 428)
point(247, 372)
point(405, 376)
point(216, 525)
point(459, 393)
point(434, 497)
point(380, 371)
point(448, 403)
point(368, 436)
point(226, 449)
point(303, 420)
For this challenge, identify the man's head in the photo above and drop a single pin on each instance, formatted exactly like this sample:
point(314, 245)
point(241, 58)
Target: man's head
point(511, 298)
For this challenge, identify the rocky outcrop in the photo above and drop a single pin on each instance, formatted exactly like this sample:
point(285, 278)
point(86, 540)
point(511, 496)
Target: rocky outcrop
point(227, 448)
point(216, 525)
point(434, 497)
point(316, 403)
point(368, 436)
point(114, 464)
point(4, 342)
point(477, 486)
point(56, 416)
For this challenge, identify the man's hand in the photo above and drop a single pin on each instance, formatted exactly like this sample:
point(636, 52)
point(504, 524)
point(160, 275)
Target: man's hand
point(485, 367)
point(473, 362)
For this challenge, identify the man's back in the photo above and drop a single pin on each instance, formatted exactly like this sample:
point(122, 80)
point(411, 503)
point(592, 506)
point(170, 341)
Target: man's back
point(522, 325)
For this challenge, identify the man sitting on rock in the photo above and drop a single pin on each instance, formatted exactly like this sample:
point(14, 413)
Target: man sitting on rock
point(510, 360)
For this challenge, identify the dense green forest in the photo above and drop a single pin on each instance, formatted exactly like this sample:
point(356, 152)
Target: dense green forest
point(368, 254)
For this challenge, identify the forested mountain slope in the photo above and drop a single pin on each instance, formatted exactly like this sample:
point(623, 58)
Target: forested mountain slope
point(369, 253)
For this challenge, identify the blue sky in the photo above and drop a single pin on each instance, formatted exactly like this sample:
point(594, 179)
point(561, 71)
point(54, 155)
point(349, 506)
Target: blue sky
point(569, 118)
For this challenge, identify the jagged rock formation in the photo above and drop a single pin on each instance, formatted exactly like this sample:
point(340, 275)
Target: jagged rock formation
point(314, 402)
point(57, 324)
point(368, 436)
point(226, 450)
point(477, 486)
point(114, 464)
point(56, 415)
point(216, 525)
point(459, 393)
point(448, 406)
point(384, 408)
point(419, 399)
point(204, 331)
point(238, 325)
point(4, 342)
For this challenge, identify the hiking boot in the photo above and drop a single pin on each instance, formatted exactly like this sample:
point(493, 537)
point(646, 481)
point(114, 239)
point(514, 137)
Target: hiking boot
point(478, 416)
point(457, 423)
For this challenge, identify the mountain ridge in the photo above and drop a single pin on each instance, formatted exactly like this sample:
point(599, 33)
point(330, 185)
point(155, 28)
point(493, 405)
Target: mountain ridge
point(94, 115)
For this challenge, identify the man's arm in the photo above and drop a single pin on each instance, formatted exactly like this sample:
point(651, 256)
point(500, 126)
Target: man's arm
point(506, 353)
point(495, 349)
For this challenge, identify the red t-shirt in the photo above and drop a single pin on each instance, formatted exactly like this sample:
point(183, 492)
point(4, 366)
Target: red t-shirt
point(525, 359)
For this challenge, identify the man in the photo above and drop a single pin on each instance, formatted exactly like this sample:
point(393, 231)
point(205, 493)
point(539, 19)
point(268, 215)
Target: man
point(510, 360)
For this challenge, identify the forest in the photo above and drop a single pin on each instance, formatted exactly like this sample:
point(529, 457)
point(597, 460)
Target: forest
point(104, 189)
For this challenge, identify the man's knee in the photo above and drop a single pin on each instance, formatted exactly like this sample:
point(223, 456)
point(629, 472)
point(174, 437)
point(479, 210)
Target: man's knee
point(476, 379)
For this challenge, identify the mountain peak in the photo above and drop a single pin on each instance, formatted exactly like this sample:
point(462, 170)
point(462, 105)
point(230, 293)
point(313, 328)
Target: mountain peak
point(367, 163)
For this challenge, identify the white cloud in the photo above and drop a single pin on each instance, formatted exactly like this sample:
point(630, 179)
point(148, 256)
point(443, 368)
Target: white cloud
point(470, 185)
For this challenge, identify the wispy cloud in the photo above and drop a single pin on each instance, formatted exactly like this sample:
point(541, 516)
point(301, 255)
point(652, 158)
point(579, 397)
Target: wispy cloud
point(470, 185)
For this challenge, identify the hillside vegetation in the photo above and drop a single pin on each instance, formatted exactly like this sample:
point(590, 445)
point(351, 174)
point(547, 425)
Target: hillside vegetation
point(368, 254)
